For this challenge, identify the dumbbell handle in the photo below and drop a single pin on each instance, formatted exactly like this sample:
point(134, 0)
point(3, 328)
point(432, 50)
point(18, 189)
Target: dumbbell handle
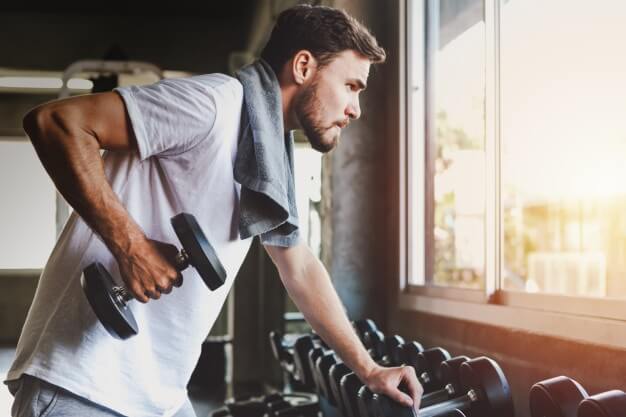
point(462, 403)
point(438, 396)
point(181, 261)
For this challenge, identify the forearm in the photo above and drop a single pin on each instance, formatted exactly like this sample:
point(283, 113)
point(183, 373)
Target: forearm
point(72, 159)
point(313, 293)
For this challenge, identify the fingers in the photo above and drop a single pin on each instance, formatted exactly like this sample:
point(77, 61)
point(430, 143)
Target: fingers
point(413, 387)
point(179, 280)
point(400, 384)
point(151, 272)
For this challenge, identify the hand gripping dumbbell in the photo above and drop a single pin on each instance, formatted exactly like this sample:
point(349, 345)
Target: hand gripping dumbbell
point(450, 371)
point(345, 396)
point(395, 356)
point(556, 397)
point(110, 302)
point(607, 404)
point(487, 394)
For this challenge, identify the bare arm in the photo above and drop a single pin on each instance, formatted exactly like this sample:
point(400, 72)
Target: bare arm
point(68, 135)
point(309, 286)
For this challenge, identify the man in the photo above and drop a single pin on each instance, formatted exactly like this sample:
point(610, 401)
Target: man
point(211, 145)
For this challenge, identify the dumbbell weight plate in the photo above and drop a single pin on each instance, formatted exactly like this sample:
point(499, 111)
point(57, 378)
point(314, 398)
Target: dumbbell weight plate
point(337, 372)
point(556, 397)
point(200, 252)
point(350, 385)
point(115, 316)
point(363, 326)
point(486, 379)
point(607, 404)
point(449, 371)
point(323, 365)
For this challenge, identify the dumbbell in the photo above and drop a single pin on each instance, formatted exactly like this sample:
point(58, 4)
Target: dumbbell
point(399, 353)
point(450, 376)
point(272, 405)
point(336, 374)
point(607, 404)
point(556, 397)
point(301, 349)
point(363, 326)
point(411, 354)
point(366, 403)
point(330, 369)
point(487, 394)
point(382, 353)
point(382, 348)
point(283, 350)
point(349, 387)
point(110, 302)
point(427, 365)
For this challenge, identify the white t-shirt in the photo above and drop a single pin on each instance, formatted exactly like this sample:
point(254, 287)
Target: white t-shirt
point(187, 131)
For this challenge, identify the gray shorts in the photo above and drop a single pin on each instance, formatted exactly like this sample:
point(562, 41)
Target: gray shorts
point(37, 398)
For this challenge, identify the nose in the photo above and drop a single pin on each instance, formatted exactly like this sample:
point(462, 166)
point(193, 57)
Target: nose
point(353, 110)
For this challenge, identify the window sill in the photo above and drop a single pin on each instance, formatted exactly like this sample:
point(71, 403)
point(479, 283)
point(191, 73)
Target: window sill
point(594, 330)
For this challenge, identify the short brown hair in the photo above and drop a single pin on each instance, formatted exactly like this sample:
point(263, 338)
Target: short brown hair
point(321, 30)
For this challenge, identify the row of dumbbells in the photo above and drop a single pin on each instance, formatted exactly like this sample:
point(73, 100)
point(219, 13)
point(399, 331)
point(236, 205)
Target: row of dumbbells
point(565, 397)
point(452, 386)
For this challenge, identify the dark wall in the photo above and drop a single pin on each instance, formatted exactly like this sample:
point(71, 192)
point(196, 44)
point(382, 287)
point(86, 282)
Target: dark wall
point(361, 186)
point(52, 41)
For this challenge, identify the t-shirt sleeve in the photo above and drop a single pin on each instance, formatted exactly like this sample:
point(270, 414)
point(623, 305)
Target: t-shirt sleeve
point(170, 116)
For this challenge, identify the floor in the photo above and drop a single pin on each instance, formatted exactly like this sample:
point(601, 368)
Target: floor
point(203, 403)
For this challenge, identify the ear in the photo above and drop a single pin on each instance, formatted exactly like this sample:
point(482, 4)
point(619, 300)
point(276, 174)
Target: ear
point(303, 66)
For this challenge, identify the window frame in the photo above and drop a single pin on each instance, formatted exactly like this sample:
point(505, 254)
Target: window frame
point(590, 319)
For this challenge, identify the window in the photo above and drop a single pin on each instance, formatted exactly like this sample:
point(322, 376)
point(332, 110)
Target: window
point(453, 161)
point(515, 151)
point(563, 193)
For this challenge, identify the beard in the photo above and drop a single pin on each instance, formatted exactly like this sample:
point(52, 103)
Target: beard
point(308, 107)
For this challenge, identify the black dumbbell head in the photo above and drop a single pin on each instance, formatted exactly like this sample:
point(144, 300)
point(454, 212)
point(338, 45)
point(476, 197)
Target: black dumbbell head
point(556, 397)
point(350, 385)
point(337, 372)
point(485, 377)
point(363, 326)
point(392, 344)
point(314, 355)
point(115, 316)
point(301, 349)
point(450, 371)
point(366, 402)
point(399, 355)
point(201, 254)
point(322, 366)
point(606, 404)
point(386, 407)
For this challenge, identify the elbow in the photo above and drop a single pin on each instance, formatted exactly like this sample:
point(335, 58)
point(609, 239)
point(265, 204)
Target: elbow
point(34, 123)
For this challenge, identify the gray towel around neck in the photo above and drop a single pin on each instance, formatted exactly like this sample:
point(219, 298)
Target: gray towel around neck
point(264, 162)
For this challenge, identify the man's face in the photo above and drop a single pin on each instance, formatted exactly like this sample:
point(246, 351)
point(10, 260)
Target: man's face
point(328, 102)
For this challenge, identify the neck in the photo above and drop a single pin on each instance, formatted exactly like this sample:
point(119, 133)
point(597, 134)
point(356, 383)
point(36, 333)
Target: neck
point(288, 95)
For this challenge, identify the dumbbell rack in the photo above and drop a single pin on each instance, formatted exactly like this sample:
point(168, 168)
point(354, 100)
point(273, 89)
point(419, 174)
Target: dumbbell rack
point(312, 369)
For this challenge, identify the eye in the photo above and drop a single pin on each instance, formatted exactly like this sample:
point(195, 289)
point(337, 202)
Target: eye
point(352, 86)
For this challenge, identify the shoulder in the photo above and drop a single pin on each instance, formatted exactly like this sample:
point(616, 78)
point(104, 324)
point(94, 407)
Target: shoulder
point(221, 85)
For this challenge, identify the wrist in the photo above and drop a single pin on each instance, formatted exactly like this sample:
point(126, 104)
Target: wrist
point(366, 370)
point(123, 237)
